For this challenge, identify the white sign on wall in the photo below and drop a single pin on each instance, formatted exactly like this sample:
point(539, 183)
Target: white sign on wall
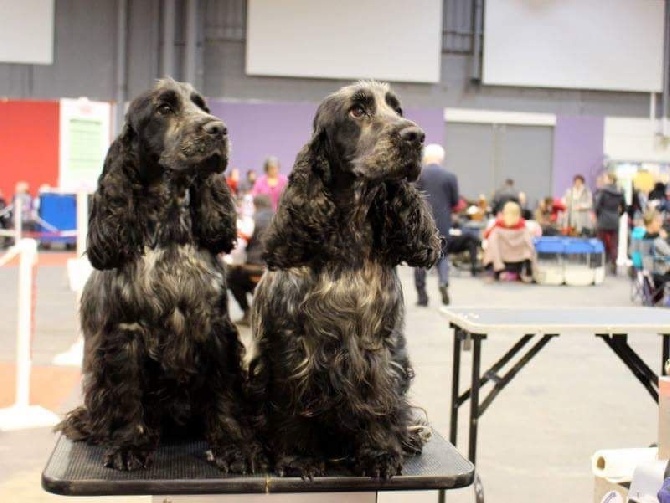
point(612, 45)
point(27, 32)
point(395, 40)
point(84, 140)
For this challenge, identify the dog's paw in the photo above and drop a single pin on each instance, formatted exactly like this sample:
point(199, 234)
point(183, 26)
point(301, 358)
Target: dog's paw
point(258, 460)
point(128, 459)
point(418, 435)
point(300, 466)
point(379, 465)
point(232, 459)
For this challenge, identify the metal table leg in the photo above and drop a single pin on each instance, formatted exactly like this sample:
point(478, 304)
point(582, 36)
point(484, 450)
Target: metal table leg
point(455, 380)
point(665, 341)
point(646, 376)
point(474, 397)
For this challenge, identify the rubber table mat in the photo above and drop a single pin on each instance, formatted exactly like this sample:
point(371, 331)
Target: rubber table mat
point(76, 469)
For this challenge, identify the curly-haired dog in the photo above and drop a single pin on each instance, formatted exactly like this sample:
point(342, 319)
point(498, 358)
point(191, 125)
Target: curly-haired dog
point(160, 347)
point(330, 368)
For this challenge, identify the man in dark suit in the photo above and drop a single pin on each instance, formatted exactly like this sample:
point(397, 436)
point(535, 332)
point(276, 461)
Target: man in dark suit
point(441, 189)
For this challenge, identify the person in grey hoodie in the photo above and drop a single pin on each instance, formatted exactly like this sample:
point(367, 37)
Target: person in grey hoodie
point(609, 207)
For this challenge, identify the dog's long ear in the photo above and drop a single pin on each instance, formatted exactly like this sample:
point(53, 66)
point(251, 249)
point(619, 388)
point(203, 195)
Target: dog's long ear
point(406, 228)
point(114, 226)
point(213, 214)
point(304, 220)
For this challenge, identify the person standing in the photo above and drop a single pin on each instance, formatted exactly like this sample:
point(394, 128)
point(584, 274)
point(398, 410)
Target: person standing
point(271, 184)
point(23, 199)
point(441, 189)
point(578, 205)
point(609, 207)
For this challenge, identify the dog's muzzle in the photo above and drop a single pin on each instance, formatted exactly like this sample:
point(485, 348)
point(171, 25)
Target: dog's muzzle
point(205, 149)
point(412, 138)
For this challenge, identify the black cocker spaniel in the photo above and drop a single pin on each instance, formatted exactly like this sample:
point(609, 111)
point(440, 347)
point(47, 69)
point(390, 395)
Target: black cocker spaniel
point(160, 349)
point(330, 370)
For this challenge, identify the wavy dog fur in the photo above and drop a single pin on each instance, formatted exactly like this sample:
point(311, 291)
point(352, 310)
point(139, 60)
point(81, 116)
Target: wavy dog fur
point(330, 370)
point(160, 347)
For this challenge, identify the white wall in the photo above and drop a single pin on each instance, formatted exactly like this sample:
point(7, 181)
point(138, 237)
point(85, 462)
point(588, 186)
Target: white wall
point(635, 140)
point(394, 40)
point(578, 44)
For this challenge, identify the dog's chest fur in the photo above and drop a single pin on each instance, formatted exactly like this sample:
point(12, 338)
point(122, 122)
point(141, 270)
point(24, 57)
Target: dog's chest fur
point(168, 295)
point(341, 327)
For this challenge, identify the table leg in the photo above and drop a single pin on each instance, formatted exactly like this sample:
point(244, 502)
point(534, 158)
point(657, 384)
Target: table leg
point(646, 376)
point(474, 397)
point(666, 353)
point(455, 377)
point(455, 380)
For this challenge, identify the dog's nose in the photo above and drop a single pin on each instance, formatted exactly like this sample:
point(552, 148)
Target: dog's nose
point(215, 128)
point(413, 134)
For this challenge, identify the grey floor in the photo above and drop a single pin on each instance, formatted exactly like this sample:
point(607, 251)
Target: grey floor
point(535, 441)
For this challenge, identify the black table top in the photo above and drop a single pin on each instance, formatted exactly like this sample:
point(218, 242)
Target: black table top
point(76, 469)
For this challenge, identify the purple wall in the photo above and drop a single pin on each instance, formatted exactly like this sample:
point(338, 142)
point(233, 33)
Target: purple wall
point(578, 149)
point(258, 130)
point(431, 120)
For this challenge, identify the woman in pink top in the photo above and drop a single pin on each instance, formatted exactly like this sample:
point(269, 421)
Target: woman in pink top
point(272, 184)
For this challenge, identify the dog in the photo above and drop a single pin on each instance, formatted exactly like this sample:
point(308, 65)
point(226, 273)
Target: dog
point(330, 370)
point(160, 349)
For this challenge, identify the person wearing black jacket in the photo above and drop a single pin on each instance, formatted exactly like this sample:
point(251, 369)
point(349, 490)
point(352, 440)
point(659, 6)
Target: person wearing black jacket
point(441, 189)
point(609, 207)
point(4, 220)
point(242, 279)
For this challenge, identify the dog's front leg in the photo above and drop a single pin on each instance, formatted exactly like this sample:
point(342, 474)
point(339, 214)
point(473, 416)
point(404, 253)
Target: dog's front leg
point(380, 451)
point(114, 399)
point(222, 402)
point(232, 446)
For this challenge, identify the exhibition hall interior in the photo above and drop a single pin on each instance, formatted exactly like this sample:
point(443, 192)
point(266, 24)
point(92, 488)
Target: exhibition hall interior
point(357, 251)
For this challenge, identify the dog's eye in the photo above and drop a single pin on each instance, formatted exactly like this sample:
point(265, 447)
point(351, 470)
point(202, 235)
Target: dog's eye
point(357, 111)
point(165, 109)
point(399, 111)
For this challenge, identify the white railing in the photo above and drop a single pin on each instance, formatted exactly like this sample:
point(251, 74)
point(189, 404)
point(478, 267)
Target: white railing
point(22, 415)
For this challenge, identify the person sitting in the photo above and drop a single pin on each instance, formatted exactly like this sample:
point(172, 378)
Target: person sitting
point(653, 226)
point(509, 245)
point(463, 241)
point(242, 279)
point(507, 192)
point(545, 216)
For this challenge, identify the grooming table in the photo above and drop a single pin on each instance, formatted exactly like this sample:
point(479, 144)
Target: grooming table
point(611, 324)
point(180, 470)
